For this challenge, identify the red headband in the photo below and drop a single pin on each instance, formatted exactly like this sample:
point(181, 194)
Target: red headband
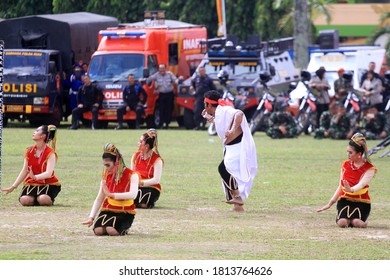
point(210, 101)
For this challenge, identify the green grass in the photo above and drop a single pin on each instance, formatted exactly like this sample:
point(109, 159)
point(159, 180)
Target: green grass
point(190, 221)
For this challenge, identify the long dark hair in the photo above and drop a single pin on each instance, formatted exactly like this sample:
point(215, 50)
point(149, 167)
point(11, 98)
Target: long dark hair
point(50, 132)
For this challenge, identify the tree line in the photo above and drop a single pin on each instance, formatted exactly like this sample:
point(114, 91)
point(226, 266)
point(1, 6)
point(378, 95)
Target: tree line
point(271, 19)
point(244, 17)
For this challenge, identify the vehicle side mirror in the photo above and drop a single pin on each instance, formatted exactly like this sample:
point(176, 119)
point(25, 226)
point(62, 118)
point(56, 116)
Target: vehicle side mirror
point(146, 73)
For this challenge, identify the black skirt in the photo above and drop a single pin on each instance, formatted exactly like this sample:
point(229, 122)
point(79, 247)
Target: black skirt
point(121, 221)
point(37, 190)
point(347, 209)
point(147, 196)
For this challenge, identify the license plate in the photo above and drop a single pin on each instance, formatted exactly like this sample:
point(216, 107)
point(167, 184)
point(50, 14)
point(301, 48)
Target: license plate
point(110, 113)
point(15, 108)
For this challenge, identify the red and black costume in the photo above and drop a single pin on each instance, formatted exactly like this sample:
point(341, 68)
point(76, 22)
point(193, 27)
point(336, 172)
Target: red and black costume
point(50, 186)
point(145, 167)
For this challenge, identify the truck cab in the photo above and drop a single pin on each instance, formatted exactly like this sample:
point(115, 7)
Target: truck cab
point(32, 85)
point(138, 48)
point(40, 50)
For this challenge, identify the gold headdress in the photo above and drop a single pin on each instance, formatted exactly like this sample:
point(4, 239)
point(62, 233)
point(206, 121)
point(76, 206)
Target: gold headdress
point(52, 136)
point(119, 163)
point(360, 141)
point(152, 133)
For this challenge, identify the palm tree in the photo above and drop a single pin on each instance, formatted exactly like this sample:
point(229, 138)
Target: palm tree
point(383, 30)
point(300, 17)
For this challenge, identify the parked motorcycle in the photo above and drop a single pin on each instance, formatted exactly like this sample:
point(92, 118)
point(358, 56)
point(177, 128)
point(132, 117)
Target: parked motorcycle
point(352, 101)
point(306, 116)
point(264, 109)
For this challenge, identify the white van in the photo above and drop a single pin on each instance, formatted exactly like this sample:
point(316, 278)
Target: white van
point(354, 58)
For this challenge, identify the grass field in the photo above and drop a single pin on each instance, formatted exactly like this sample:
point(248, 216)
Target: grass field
point(190, 221)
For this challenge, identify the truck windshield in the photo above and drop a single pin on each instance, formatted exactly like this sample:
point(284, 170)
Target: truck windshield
point(25, 63)
point(116, 66)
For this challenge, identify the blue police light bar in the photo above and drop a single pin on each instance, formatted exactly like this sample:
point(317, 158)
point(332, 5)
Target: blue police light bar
point(122, 33)
point(231, 53)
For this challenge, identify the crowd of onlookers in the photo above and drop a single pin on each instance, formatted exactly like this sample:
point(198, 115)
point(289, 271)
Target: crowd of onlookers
point(372, 117)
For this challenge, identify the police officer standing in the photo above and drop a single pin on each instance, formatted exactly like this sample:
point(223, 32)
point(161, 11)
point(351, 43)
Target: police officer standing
point(200, 84)
point(134, 97)
point(164, 85)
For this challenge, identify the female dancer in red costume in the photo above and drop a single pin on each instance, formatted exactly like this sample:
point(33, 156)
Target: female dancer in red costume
point(115, 200)
point(40, 185)
point(148, 163)
point(353, 201)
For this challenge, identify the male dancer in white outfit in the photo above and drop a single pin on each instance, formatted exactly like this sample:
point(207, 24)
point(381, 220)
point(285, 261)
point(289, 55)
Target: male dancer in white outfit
point(239, 165)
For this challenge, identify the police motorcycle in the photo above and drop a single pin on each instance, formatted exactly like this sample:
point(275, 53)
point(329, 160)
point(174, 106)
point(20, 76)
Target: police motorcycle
point(352, 101)
point(238, 101)
point(264, 108)
point(306, 115)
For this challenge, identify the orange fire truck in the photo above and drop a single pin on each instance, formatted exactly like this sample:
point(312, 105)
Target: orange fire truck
point(138, 48)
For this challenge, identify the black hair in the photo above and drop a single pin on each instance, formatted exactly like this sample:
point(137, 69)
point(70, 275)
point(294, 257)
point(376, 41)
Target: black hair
point(109, 156)
point(50, 133)
point(213, 95)
point(357, 148)
point(149, 140)
point(320, 73)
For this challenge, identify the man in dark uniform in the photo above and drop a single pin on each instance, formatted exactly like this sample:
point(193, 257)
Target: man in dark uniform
point(134, 97)
point(200, 84)
point(89, 98)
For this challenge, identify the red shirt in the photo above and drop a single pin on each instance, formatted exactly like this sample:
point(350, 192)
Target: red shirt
point(146, 167)
point(122, 186)
point(39, 166)
point(353, 175)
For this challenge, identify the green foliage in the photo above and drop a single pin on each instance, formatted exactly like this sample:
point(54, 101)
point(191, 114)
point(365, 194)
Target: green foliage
point(383, 28)
point(190, 221)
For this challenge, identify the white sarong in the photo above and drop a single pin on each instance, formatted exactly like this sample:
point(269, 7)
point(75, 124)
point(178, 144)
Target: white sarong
point(240, 159)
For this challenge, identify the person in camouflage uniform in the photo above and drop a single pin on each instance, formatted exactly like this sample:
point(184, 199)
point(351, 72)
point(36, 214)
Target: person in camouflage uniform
point(281, 124)
point(340, 124)
point(374, 124)
point(340, 87)
point(324, 125)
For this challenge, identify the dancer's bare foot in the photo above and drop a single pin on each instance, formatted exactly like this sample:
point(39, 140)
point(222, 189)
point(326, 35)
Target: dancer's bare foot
point(236, 200)
point(238, 208)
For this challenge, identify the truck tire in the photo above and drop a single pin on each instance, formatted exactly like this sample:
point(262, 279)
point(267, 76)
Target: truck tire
point(36, 122)
point(5, 121)
point(56, 117)
point(188, 119)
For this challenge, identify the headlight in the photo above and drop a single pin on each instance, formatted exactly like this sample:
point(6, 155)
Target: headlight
point(39, 100)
